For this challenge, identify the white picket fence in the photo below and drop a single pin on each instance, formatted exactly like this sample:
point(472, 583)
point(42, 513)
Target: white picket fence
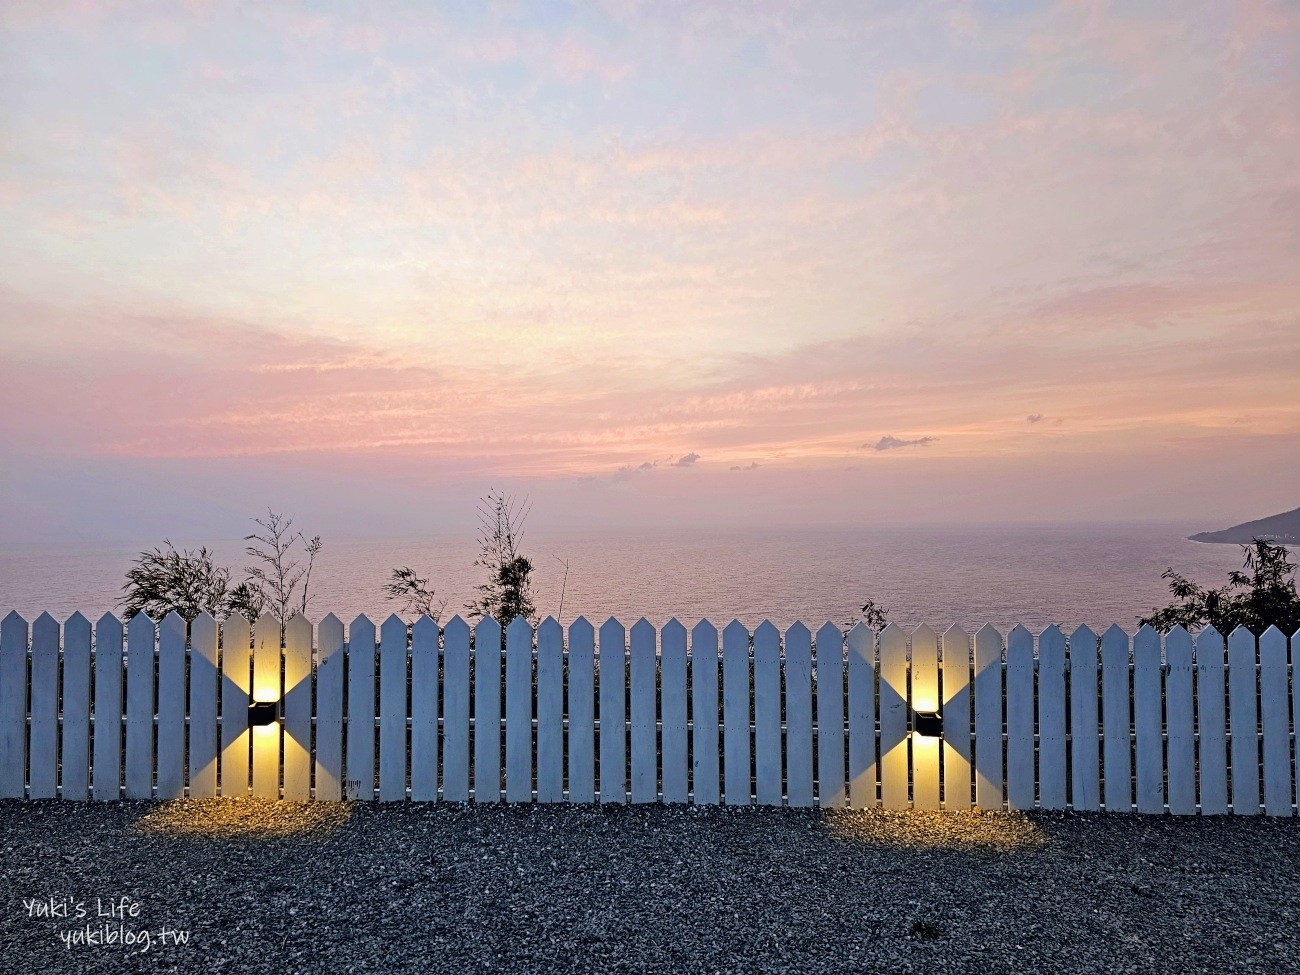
point(162, 711)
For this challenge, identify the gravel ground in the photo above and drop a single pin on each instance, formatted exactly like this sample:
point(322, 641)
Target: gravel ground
point(298, 888)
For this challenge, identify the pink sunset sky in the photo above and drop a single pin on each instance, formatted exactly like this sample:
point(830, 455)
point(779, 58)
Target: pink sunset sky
point(650, 263)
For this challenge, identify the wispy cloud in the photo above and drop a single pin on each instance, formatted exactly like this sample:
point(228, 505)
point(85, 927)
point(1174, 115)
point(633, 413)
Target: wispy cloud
point(889, 442)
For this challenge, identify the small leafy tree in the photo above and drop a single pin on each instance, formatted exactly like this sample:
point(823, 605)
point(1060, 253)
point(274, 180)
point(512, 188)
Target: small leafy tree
point(285, 581)
point(1259, 595)
point(414, 593)
point(508, 591)
point(166, 579)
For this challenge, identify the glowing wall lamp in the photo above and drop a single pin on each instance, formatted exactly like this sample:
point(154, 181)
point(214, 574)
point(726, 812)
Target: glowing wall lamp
point(928, 724)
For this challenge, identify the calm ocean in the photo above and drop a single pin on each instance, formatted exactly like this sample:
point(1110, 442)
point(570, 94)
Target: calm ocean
point(1094, 574)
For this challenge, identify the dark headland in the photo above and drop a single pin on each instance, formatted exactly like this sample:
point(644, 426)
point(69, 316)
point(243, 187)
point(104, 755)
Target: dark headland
point(1284, 528)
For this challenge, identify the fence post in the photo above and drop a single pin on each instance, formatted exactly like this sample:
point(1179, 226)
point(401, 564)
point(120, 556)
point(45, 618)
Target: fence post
point(798, 715)
point(1051, 718)
point(704, 714)
point(75, 781)
point(43, 743)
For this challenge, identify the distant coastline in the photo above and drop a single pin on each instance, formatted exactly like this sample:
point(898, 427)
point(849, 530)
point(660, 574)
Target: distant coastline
point(1283, 529)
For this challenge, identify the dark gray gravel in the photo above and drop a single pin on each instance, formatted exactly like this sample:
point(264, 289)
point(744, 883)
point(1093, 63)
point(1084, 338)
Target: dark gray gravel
point(297, 888)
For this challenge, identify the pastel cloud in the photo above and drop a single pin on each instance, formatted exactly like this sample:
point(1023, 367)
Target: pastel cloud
point(549, 246)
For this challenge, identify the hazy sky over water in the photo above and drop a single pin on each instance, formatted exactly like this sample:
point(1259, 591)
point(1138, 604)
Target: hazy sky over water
point(649, 262)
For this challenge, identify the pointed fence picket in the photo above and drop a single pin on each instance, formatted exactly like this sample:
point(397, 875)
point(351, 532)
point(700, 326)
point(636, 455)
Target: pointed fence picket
point(798, 716)
point(642, 668)
point(106, 761)
point(139, 707)
point(1211, 722)
point(296, 707)
point(456, 711)
point(705, 732)
point(1020, 719)
point(988, 718)
point(894, 759)
point(424, 710)
point(75, 745)
point(202, 754)
point(1148, 722)
point(1085, 743)
point(171, 707)
point(737, 769)
point(1180, 702)
point(393, 660)
point(582, 711)
point(830, 720)
point(1116, 718)
point(859, 646)
point(519, 711)
point(1052, 766)
point(957, 706)
point(613, 709)
point(1166, 738)
point(550, 712)
point(675, 747)
point(767, 715)
point(1243, 721)
point(330, 679)
point(43, 743)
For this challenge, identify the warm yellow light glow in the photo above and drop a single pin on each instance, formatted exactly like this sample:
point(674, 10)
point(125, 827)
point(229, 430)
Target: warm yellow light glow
point(245, 818)
point(263, 731)
point(265, 693)
point(919, 829)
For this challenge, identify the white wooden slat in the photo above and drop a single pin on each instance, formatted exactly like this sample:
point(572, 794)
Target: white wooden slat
point(139, 707)
point(297, 708)
point(894, 759)
point(1243, 722)
point(455, 703)
point(424, 710)
point(1116, 719)
point(394, 659)
point(1085, 728)
point(13, 706)
point(487, 710)
point(1180, 717)
point(613, 712)
point(550, 711)
point(705, 787)
point(582, 711)
point(1275, 721)
point(642, 661)
point(830, 724)
point(736, 756)
point(1295, 703)
point(924, 696)
point(331, 672)
point(267, 656)
point(519, 711)
point(359, 770)
point(1020, 719)
point(988, 718)
point(1051, 719)
point(171, 706)
point(1211, 722)
point(798, 716)
point(43, 743)
point(236, 693)
point(957, 784)
point(106, 766)
point(1148, 721)
point(203, 707)
point(857, 651)
point(767, 715)
point(74, 778)
point(673, 710)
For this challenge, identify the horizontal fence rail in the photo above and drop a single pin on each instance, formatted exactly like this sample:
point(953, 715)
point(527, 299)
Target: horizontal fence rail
point(1152, 723)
